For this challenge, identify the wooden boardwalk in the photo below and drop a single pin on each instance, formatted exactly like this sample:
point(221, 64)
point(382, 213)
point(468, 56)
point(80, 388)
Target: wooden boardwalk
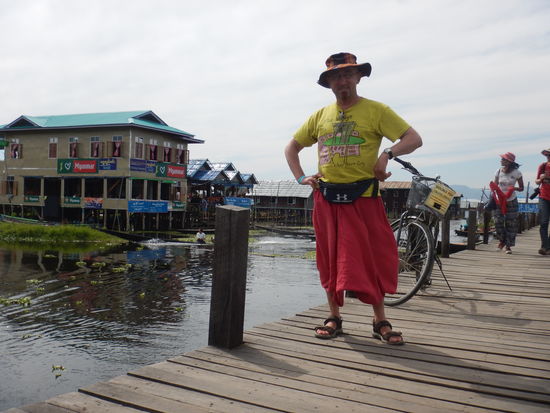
point(483, 347)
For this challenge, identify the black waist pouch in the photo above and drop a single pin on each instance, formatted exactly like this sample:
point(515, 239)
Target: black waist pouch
point(347, 193)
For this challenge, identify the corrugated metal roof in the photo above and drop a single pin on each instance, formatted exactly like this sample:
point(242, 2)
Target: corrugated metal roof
point(282, 188)
point(196, 165)
point(249, 178)
point(395, 185)
point(210, 176)
point(223, 166)
point(146, 119)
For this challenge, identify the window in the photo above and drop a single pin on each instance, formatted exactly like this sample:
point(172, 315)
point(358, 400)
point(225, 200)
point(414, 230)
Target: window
point(182, 155)
point(117, 147)
point(52, 148)
point(138, 186)
point(116, 188)
point(139, 148)
point(153, 150)
point(11, 186)
point(96, 147)
point(31, 185)
point(167, 155)
point(73, 187)
point(93, 187)
point(292, 200)
point(73, 147)
point(152, 189)
point(16, 151)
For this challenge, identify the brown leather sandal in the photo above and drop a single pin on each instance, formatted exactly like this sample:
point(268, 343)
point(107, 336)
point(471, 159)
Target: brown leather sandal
point(376, 327)
point(332, 332)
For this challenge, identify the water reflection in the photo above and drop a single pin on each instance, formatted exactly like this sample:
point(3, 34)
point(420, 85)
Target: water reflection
point(100, 314)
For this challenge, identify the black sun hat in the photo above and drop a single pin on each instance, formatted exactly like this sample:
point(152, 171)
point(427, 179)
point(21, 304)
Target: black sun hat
point(340, 61)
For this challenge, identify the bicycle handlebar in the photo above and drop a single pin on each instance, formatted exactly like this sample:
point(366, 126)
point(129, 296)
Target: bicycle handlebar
point(408, 167)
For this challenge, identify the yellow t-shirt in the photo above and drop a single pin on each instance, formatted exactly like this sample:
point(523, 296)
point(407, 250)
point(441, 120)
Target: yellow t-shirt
point(348, 141)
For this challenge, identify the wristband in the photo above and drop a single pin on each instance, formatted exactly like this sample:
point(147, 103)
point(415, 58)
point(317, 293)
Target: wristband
point(300, 179)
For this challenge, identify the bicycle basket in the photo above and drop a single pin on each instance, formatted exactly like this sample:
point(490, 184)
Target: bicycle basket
point(433, 196)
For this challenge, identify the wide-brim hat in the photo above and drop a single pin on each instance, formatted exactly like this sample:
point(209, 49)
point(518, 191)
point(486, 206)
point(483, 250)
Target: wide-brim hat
point(340, 61)
point(546, 152)
point(509, 156)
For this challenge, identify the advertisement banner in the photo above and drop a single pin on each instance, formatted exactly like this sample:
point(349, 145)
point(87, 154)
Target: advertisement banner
point(178, 205)
point(107, 164)
point(241, 202)
point(93, 203)
point(142, 165)
point(171, 171)
point(533, 208)
point(77, 166)
point(72, 200)
point(147, 206)
point(32, 198)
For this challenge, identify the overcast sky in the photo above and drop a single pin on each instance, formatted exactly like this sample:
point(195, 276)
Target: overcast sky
point(472, 77)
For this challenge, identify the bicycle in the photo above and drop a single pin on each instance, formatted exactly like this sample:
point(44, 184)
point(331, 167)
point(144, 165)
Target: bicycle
point(416, 233)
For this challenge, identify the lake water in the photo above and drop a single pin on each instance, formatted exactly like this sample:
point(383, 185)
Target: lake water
point(86, 317)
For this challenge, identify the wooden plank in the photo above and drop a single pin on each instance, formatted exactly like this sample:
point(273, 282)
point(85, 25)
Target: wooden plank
point(448, 357)
point(264, 360)
point(250, 391)
point(80, 402)
point(441, 338)
point(202, 400)
point(44, 407)
point(331, 377)
point(127, 396)
point(425, 325)
point(465, 376)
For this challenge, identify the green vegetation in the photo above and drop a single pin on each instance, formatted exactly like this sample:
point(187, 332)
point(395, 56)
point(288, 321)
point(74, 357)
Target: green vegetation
point(56, 237)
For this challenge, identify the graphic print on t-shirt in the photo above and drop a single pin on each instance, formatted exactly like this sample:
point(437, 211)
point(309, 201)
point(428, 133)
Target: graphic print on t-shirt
point(343, 141)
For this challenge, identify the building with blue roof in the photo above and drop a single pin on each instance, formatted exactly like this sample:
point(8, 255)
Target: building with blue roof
point(121, 170)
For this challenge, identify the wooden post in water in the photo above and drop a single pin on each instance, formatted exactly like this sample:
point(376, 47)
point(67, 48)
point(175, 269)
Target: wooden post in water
point(229, 277)
point(472, 228)
point(521, 222)
point(486, 222)
point(445, 235)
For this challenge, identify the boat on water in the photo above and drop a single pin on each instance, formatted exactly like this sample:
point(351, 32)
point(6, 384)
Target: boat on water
point(464, 233)
point(20, 220)
point(148, 238)
point(301, 233)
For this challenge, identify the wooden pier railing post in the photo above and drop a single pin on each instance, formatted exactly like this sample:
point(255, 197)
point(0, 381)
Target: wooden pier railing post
point(229, 277)
point(521, 222)
point(486, 222)
point(445, 235)
point(472, 228)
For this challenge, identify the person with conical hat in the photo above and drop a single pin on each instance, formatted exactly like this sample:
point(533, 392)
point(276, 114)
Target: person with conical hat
point(356, 248)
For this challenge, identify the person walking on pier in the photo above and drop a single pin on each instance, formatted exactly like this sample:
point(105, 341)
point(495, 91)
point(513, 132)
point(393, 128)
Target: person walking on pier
point(356, 249)
point(504, 191)
point(543, 179)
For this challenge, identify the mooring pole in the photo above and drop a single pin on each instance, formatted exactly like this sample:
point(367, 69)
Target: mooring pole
point(229, 277)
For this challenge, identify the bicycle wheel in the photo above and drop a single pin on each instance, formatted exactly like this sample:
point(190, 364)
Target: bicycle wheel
point(416, 259)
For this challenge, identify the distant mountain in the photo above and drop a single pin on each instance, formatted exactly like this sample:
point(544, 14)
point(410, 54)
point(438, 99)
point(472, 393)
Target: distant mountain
point(474, 194)
point(469, 193)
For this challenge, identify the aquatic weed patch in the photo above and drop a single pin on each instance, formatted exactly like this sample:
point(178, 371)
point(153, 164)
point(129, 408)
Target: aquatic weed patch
point(29, 236)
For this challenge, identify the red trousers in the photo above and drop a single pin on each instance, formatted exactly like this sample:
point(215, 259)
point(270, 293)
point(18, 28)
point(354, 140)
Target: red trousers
point(356, 249)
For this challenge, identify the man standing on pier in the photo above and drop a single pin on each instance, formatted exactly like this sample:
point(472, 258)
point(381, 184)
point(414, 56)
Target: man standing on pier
point(356, 249)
